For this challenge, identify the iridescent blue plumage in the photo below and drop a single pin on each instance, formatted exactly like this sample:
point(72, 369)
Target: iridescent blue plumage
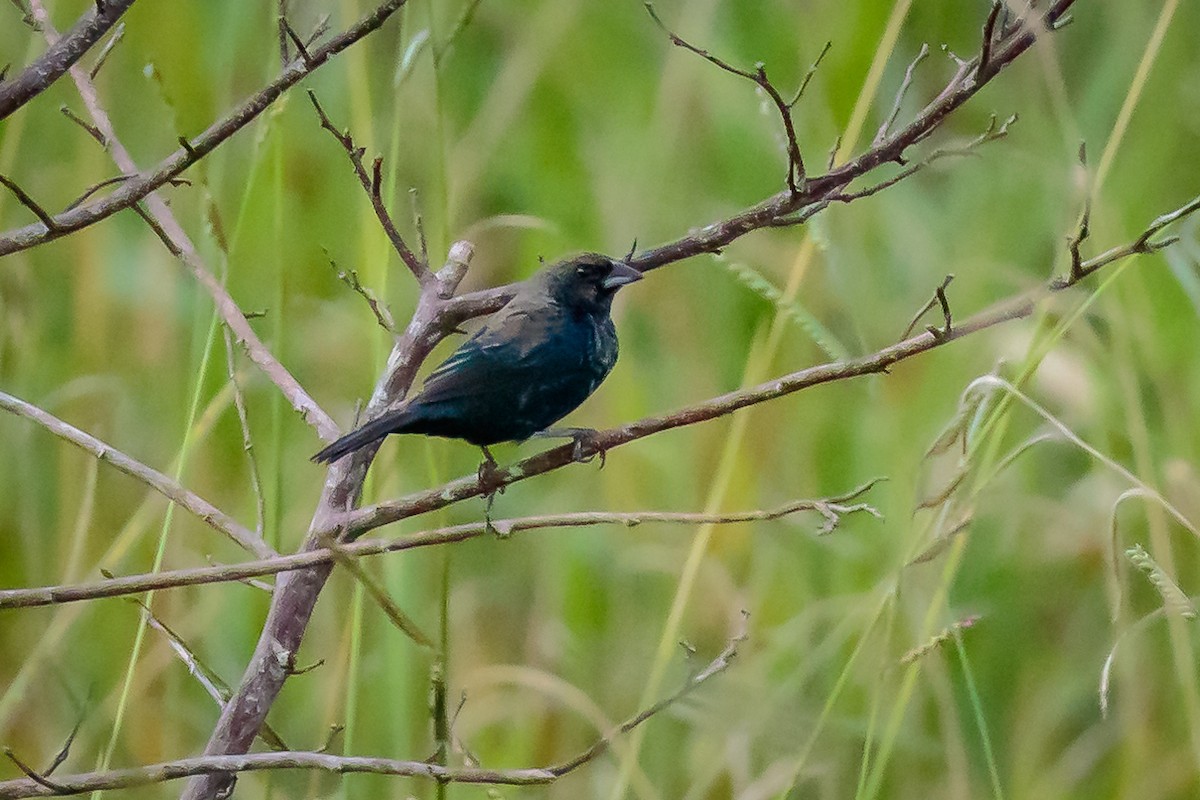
point(531, 364)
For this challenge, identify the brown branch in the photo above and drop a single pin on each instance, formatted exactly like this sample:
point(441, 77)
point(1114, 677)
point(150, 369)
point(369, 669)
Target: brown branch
point(795, 175)
point(162, 221)
point(59, 57)
point(1018, 307)
point(257, 762)
point(169, 579)
point(296, 592)
point(38, 786)
point(24, 199)
point(215, 135)
point(780, 209)
point(438, 313)
point(371, 185)
point(205, 511)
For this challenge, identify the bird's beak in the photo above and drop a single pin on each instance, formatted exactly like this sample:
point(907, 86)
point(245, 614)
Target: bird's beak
point(621, 274)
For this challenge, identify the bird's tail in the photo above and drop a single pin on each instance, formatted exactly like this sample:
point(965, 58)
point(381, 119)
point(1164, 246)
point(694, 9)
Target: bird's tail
point(376, 429)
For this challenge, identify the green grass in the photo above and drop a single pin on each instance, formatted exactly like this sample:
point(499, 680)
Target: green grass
point(554, 127)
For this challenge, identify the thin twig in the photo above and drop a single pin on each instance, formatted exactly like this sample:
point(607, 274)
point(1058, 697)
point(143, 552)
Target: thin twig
point(939, 296)
point(168, 579)
point(27, 201)
point(90, 130)
point(808, 76)
point(164, 485)
point(382, 314)
point(38, 786)
point(882, 134)
point(371, 186)
point(239, 402)
point(796, 172)
point(199, 146)
point(117, 35)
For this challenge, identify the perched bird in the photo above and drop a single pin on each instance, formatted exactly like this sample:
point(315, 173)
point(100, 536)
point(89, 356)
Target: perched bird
point(531, 364)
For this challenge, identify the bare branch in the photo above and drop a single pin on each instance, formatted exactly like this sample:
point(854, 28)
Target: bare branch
point(59, 57)
point(39, 786)
point(716, 667)
point(239, 402)
point(371, 185)
point(205, 511)
point(169, 579)
point(24, 199)
point(117, 35)
point(795, 176)
point(808, 76)
point(218, 133)
point(162, 221)
point(882, 134)
point(939, 295)
point(350, 277)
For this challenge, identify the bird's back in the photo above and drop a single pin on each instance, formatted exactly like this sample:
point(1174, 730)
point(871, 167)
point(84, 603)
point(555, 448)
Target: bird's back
point(527, 368)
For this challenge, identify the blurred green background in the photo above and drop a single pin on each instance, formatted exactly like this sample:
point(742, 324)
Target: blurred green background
point(551, 127)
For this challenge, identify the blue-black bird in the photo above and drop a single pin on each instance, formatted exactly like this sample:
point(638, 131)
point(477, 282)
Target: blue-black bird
point(531, 364)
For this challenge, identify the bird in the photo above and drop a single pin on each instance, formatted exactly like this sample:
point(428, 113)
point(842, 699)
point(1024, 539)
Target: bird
point(533, 362)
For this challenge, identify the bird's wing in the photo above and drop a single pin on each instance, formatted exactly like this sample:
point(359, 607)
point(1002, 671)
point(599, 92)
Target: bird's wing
point(512, 350)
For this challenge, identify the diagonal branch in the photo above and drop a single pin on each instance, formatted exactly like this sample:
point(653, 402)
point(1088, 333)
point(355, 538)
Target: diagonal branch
point(133, 191)
point(371, 184)
point(205, 511)
point(819, 189)
point(164, 224)
point(61, 55)
point(795, 176)
point(1017, 307)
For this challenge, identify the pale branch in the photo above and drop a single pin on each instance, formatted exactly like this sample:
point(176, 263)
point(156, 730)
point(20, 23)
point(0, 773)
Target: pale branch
point(1141, 246)
point(117, 35)
point(205, 675)
point(371, 184)
point(164, 224)
point(438, 313)
point(379, 309)
point(819, 190)
point(1017, 307)
point(203, 510)
point(169, 579)
point(38, 785)
point(296, 592)
point(133, 191)
point(60, 56)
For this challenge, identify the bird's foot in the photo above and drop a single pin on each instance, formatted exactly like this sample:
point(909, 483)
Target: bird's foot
point(582, 438)
point(491, 481)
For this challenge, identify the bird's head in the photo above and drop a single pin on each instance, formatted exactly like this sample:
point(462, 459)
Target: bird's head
point(587, 282)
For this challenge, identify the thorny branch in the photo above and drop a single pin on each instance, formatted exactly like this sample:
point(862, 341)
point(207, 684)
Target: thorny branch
point(167, 579)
